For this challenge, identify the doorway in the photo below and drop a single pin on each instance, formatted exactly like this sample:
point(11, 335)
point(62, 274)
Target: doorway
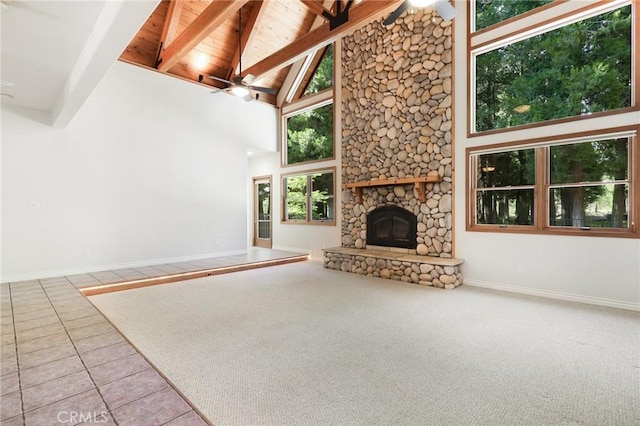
point(262, 211)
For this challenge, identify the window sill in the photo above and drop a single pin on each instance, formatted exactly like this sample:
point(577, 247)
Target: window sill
point(313, 223)
point(576, 232)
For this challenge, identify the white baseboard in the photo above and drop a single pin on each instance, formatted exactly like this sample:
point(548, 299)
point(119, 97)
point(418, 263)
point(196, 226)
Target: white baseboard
point(554, 295)
point(111, 267)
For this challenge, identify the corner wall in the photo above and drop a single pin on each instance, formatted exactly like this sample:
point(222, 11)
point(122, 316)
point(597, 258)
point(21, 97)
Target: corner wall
point(151, 169)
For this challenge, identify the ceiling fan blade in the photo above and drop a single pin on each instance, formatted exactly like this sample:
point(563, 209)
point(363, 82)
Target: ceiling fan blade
point(219, 79)
point(268, 90)
point(444, 8)
point(396, 13)
point(248, 79)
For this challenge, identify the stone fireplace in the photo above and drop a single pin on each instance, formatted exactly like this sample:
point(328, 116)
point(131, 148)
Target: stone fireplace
point(391, 226)
point(397, 152)
point(397, 122)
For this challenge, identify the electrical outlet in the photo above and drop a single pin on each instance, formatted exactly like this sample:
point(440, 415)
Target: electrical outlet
point(35, 205)
point(87, 252)
point(519, 267)
point(217, 241)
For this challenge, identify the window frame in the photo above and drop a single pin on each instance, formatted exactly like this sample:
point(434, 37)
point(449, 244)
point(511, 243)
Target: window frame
point(498, 189)
point(542, 184)
point(307, 103)
point(308, 197)
point(536, 21)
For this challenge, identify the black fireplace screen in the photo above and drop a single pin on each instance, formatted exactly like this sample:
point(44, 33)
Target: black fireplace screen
point(391, 226)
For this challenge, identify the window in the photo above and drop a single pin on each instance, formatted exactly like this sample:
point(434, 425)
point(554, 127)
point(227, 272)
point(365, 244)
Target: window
point(574, 70)
point(489, 12)
point(308, 115)
point(310, 135)
point(589, 184)
point(309, 197)
point(579, 185)
point(505, 187)
point(322, 77)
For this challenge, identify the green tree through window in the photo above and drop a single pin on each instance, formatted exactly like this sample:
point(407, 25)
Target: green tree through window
point(310, 135)
point(587, 184)
point(489, 12)
point(309, 197)
point(574, 70)
point(323, 75)
point(310, 132)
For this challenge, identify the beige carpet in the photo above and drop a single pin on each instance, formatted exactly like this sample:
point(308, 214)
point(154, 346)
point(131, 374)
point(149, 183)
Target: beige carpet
point(301, 345)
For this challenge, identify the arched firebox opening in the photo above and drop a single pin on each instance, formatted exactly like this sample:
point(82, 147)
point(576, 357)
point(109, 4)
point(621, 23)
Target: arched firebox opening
point(392, 226)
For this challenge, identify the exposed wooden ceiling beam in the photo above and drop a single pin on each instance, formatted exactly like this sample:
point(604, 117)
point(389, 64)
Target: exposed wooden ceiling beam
point(210, 18)
point(316, 7)
point(359, 16)
point(170, 26)
point(171, 22)
point(247, 32)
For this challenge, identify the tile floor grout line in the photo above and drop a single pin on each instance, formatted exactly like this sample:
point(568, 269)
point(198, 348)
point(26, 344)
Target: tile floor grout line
point(77, 288)
point(86, 369)
point(128, 375)
point(157, 370)
point(15, 338)
point(59, 377)
point(87, 337)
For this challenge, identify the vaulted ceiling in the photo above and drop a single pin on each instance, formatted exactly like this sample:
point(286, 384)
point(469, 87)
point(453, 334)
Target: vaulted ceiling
point(55, 52)
point(197, 39)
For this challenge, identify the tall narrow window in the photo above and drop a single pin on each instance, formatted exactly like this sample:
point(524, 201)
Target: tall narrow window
point(322, 200)
point(296, 197)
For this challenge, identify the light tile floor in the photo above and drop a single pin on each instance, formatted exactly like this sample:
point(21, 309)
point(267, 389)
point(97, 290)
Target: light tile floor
point(64, 363)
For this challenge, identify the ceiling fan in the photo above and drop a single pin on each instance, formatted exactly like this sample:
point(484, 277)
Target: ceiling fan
point(241, 86)
point(443, 7)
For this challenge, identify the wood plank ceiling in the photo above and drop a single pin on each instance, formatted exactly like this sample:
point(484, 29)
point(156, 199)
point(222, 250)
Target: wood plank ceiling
point(195, 39)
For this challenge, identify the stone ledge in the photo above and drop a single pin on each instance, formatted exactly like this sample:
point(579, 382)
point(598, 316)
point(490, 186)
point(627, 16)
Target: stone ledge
point(411, 268)
point(390, 255)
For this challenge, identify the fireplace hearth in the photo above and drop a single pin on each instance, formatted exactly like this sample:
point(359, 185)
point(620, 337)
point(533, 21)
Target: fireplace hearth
point(392, 226)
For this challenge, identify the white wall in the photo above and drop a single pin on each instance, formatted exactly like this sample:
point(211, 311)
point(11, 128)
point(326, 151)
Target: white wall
point(152, 168)
point(596, 270)
point(287, 236)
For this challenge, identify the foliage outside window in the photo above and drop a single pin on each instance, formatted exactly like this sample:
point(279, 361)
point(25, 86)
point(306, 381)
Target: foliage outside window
point(589, 184)
point(564, 187)
point(309, 197)
point(575, 70)
point(505, 187)
point(310, 135)
point(489, 12)
point(308, 122)
point(323, 75)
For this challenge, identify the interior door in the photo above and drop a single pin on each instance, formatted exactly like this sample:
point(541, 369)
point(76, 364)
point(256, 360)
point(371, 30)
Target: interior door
point(262, 212)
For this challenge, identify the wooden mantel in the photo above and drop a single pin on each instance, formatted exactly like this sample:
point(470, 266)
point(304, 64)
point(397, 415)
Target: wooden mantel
point(419, 183)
